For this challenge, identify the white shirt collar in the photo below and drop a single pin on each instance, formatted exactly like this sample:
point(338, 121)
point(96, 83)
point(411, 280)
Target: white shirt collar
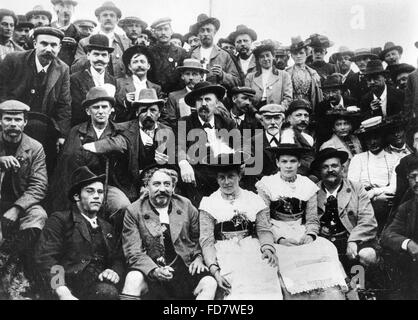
point(98, 78)
point(138, 81)
point(334, 193)
point(211, 121)
point(92, 221)
point(39, 67)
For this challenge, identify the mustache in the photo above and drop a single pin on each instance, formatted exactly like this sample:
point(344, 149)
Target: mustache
point(332, 174)
point(12, 131)
point(204, 108)
point(162, 193)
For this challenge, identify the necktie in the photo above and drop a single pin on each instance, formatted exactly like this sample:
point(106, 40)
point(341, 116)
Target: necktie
point(42, 76)
point(274, 139)
point(207, 125)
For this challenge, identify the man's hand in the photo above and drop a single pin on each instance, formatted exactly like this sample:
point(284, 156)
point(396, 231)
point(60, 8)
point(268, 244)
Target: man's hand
point(289, 242)
point(110, 275)
point(197, 266)
point(375, 104)
point(352, 250)
point(271, 258)
point(161, 158)
point(130, 97)
point(64, 293)
point(187, 172)
point(217, 70)
point(9, 162)
point(413, 250)
point(60, 143)
point(90, 147)
point(307, 238)
point(163, 273)
point(222, 282)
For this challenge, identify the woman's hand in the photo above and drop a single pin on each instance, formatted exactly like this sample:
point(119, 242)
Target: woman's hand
point(222, 282)
point(307, 238)
point(289, 242)
point(271, 258)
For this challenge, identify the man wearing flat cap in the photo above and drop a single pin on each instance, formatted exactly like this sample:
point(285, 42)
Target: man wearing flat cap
point(22, 31)
point(281, 56)
point(98, 106)
point(108, 16)
point(40, 79)
point(83, 244)
point(23, 188)
point(242, 110)
point(133, 27)
point(86, 27)
point(381, 100)
point(8, 22)
point(320, 44)
point(192, 73)
point(221, 66)
point(166, 57)
point(345, 211)
point(95, 75)
point(243, 38)
point(138, 64)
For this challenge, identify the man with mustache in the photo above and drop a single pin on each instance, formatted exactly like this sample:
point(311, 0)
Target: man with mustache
point(133, 27)
point(86, 27)
point(192, 40)
point(161, 244)
point(8, 22)
point(192, 73)
point(39, 17)
point(242, 110)
point(345, 212)
point(138, 64)
point(64, 10)
point(381, 100)
point(83, 244)
point(40, 79)
point(221, 66)
point(400, 73)
point(98, 54)
point(23, 187)
point(22, 31)
point(108, 16)
point(281, 57)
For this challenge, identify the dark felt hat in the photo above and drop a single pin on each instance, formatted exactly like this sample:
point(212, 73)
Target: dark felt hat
point(48, 31)
point(96, 94)
point(375, 67)
point(127, 20)
point(389, 46)
point(22, 22)
point(298, 104)
point(192, 64)
point(108, 5)
point(319, 41)
point(288, 149)
point(333, 81)
point(39, 10)
point(203, 19)
point(363, 53)
point(242, 29)
point(204, 88)
point(397, 69)
point(82, 177)
point(326, 154)
point(244, 90)
point(99, 42)
point(130, 52)
point(296, 44)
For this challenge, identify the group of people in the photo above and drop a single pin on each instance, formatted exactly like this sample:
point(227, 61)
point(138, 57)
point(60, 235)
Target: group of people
point(133, 168)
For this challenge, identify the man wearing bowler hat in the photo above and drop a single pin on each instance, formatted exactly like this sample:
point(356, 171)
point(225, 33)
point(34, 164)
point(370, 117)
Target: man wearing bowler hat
point(166, 57)
point(82, 244)
point(138, 64)
point(222, 69)
point(23, 188)
point(108, 16)
point(22, 30)
point(192, 73)
point(133, 27)
point(381, 100)
point(95, 75)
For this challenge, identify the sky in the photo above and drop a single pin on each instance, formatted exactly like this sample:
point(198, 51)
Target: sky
point(352, 23)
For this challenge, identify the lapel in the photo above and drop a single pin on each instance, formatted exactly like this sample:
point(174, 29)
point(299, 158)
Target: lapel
point(129, 84)
point(258, 81)
point(87, 79)
point(215, 52)
point(177, 217)
point(266, 144)
point(273, 80)
point(106, 232)
point(24, 146)
point(344, 197)
point(108, 78)
point(81, 223)
point(54, 72)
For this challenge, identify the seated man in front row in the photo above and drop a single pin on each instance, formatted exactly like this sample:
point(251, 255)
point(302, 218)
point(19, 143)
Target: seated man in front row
point(346, 213)
point(83, 244)
point(161, 244)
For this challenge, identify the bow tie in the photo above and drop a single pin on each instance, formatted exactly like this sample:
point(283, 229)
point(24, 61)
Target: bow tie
point(207, 125)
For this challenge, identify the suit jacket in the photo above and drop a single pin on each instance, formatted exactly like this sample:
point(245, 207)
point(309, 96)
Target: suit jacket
point(279, 88)
point(358, 88)
point(129, 143)
point(124, 111)
point(81, 83)
point(411, 94)
point(269, 158)
point(118, 68)
point(68, 51)
point(30, 182)
point(323, 68)
point(355, 210)
point(395, 102)
point(16, 71)
point(403, 192)
point(66, 241)
point(174, 110)
point(338, 144)
point(220, 57)
point(142, 235)
point(251, 67)
point(403, 227)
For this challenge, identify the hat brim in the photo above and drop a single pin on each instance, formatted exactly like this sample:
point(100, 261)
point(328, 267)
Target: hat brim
point(195, 28)
point(75, 188)
point(297, 47)
point(235, 34)
point(147, 102)
point(90, 47)
point(87, 103)
point(183, 68)
point(404, 69)
point(384, 72)
point(32, 13)
point(371, 56)
point(293, 151)
point(342, 155)
point(116, 10)
point(384, 52)
point(191, 97)
point(122, 23)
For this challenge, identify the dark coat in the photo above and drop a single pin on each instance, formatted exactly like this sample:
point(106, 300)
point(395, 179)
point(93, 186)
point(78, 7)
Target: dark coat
point(323, 68)
point(402, 185)
point(68, 51)
point(358, 88)
point(395, 102)
point(173, 109)
point(16, 70)
point(66, 241)
point(81, 83)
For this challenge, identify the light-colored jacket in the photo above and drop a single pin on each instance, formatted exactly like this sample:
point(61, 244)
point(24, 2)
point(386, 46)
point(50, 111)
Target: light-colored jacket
point(336, 143)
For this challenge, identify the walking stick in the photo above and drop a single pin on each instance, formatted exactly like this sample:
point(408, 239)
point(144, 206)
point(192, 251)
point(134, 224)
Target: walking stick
point(106, 191)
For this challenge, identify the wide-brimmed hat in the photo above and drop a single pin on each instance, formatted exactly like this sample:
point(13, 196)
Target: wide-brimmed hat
point(108, 5)
point(74, 3)
point(342, 51)
point(333, 81)
point(148, 97)
point(363, 53)
point(126, 20)
point(138, 49)
point(39, 10)
point(375, 67)
point(296, 44)
point(96, 94)
point(22, 22)
point(82, 177)
point(99, 42)
point(371, 125)
point(288, 149)
point(397, 69)
point(299, 104)
point(203, 19)
point(354, 117)
point(192, 64)
point(319, 41)
point(389, 46)
point(203, 88)
point(48, 31)
point(265, 45)
point(242, 29)
point(326, 154)
point(223, 162)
